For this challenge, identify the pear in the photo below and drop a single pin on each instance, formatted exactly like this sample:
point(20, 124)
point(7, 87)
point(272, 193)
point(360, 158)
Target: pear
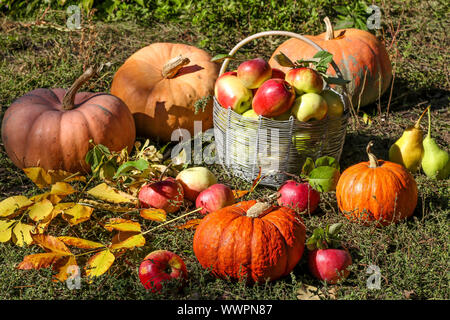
point(435, 162)
point(408, 150)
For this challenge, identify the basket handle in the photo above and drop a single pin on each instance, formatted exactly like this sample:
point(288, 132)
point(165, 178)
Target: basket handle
point(275, 33)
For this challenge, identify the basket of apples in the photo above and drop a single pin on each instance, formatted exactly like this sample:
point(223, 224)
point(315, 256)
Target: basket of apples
point(267, 122)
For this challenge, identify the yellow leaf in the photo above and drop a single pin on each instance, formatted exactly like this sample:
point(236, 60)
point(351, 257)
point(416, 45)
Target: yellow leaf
point(6, 230)
point(77, 214)
point(62, 189)
point(40, 210)
point(240, 193)
point(44, 179)
point(11, 204)
point(39, 260)
point(80, 243)
point(22, 234)
point(99, 263)
point(57, 209)
point(53, 198)
point(154, 214)
point(51, 243)
point(136, 240)
point(107, 193)
point(122, 225)
point(191, 224)
point(66, 270)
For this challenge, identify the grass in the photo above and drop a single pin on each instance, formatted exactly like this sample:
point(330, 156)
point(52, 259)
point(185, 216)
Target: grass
point(412, 255)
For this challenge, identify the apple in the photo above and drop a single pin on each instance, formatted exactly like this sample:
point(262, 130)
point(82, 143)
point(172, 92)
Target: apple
point(301, 142)
point(329, 265)
point(250, 114)
point(283, 117)
point(305, 80)
point(167, 194)
point(278, 74)
point(254, 72)
point(334, 103)
point(310, 106)
point(231, 93)
point(214, 198)
point(298, 196)
point(159, 267)
point(273, 98)
point(194, 180)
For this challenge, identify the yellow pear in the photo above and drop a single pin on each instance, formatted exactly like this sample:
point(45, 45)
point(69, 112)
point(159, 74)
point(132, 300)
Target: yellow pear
point(408, 150)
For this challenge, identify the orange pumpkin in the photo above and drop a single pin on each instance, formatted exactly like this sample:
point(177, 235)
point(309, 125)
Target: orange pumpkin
point(161, 83)
point(250, 240)
point(360, 56)
point(51, 128)
point(376, 190)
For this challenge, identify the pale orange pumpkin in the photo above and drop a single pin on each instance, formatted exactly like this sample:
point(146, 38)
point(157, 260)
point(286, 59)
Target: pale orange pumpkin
point(161, 83)
point(360, 56)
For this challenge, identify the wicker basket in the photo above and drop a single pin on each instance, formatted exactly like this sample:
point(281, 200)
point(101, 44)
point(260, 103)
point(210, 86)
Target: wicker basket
point(246, 145)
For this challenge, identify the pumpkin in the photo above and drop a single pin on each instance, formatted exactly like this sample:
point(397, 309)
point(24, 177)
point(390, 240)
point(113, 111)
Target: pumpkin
point(250, 240)
point(376, 190)
point(360, 56)
point(161, 83)
point(51, 128)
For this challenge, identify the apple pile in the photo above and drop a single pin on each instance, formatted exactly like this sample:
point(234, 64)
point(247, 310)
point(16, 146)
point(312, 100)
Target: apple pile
point(255, 89)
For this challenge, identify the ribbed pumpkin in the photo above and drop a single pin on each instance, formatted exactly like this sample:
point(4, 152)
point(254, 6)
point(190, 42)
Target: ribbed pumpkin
point(250, 240)
point(358, 54)
point(161, 83)
point(376, 190)
point(51, 128)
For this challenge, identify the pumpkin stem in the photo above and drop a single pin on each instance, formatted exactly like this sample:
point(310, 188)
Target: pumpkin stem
point(258, 209)
point(172, 66)
point(68, 102)
point(372, 159)
point(330, 31)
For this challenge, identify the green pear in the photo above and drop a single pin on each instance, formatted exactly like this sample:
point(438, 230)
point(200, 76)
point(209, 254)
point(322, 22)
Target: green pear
point(310, 106)
point(408, 149)
point(435, 162)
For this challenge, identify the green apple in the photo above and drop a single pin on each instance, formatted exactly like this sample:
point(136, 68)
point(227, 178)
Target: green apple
point(300, 141)
point(283, 117)
point(310, 106)
point(250, 114)
point(334, 103)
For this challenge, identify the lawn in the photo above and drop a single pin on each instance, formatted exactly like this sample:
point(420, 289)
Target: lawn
point(36, 51)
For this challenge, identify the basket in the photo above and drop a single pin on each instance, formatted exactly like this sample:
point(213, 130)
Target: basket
point(247, 147)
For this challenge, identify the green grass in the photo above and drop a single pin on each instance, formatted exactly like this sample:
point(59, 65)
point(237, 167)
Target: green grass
point(412, 255)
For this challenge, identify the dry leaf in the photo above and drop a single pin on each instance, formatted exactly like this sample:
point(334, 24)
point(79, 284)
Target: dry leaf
point(44, 179)
point(6, 230)
point(127, 240)
point(307, 292)
point(51, 243)
point(22, 234)
point(80, 243)
point(53, 198)
point(240, 193)
point(191, 224)
point(107, 193)
point(77, 214)
point(122, 225)
point(66, 269)
point(39, 260)
point(99, 263)
point(40, 210)
point(62, 189)
point(9, 205)
point(153, 214)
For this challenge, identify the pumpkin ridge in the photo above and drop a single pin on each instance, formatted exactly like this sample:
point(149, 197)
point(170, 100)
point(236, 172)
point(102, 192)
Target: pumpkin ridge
point(221, 237)
point(286, 246)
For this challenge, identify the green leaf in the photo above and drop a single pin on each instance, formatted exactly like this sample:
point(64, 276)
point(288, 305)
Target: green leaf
point(140, 165)
point(327, 161)
point(334, 229)
point(308, 166)
point(220, 57)
point(324, 179)
point(334, 80)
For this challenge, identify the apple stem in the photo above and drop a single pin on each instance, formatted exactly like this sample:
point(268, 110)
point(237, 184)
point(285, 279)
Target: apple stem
point(372, 159)
point(330, 30)
point(172, 66)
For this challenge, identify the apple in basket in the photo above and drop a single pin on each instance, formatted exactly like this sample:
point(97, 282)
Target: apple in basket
point(278, 74)
point(305, 80)
point(334, 103)
point(231, 93)
point(273, 98)
point(310, 106)
point(254, 72)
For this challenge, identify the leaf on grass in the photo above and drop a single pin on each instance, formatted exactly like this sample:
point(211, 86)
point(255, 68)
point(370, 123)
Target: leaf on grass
point(240, 193)
point(140, 164)
point(127, 240)
point(80, 243)
point(122, 225)
point(308, 292)
point(66, 269)
point(191, 224)
point(22, 234)
point(153, 214)
point(62, 189)
point(107, 193)
point(39, 260)
point(40, 210)
point(77, 214)
point(44, 179)
point(9, 205)
point(6, 230)
point(99, 263)
point(53, 198)
point(51, 243)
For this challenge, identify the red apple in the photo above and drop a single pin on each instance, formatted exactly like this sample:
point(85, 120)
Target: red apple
point(254, 72)
point(329, 265)
point(194, 180)
point(166, 194)
point(298, 196)
point(214, 198)
point(278, 74)
point(273, 98)
point(305, 80)
point(231, 93)
point(159, 267)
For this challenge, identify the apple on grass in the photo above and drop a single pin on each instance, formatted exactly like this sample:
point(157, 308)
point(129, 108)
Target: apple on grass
point(214, 198)
point(273, 98)
point(334, 103)
point(194, 180)
point(167, 194)
point(310, 106)
point(305, 80)
point(299, 196)
point(254, 72)
point(231, 93)
point(161, 267)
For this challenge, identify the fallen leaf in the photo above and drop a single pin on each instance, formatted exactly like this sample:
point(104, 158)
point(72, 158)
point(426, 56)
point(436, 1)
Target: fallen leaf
point(22, 234)
point(99, 263)
point(44, 179)
point(66, 270)
point(40, 210)
point(51, 243)
point(39, 260)
point(62, 189)
point(134, 240)
point(77, 214)
point(53, 198)
point(153, 214)
point(191, 224)
point(307, 292)
point(240, 193)
point(6, 230)
point(107, 193)
point(122, 225)
point(80, 243)
point(9, 205)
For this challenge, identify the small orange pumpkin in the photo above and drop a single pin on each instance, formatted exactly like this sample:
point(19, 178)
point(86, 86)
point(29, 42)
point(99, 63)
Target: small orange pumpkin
point(360, 56)
point(251, 240)
point(376, 190)
point(161, 83)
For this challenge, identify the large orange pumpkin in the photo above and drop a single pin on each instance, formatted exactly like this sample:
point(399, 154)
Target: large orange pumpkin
point(161, 83)
point(250, 240)
point(376, 190)
point(360, 56)
point(51, 128)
